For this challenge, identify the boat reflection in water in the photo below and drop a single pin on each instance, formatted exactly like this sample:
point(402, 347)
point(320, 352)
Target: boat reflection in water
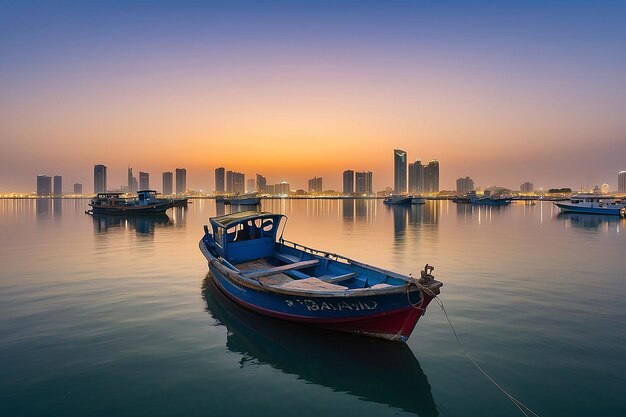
point(590, 221)
point(370, 369)
point(143, 225)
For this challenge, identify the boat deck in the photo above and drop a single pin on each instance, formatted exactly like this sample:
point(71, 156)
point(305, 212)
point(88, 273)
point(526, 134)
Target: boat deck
point(283, 280)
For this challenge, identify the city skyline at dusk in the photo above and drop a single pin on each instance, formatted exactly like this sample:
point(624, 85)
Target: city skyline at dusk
point(501, 93)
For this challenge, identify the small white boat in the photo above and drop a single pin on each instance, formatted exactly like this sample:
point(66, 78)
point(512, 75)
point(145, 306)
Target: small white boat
point(592, 204)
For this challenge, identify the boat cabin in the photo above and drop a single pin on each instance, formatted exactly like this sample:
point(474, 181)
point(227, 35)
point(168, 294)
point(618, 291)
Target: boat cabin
point(592, 200)
point(147, 197)
point(245, 236)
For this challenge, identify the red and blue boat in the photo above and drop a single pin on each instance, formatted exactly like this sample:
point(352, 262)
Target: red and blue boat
point(255, 267)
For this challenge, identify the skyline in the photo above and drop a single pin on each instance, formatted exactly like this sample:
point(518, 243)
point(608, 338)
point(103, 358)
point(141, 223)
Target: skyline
point(501, 93)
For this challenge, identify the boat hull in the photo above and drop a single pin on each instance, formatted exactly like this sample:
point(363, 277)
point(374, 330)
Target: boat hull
point(252, 201)
point(575, 208)
point(391, 316)
point(131, 210)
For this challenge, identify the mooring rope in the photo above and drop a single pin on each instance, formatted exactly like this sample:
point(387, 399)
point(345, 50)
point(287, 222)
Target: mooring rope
point(523, 408)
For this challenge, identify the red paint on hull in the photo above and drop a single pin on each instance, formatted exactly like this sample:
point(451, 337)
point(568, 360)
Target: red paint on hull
point(392, 325)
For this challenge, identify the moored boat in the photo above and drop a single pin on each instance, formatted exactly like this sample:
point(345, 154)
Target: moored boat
point(397, 199)
point(592, 204)
point(146, 202)
point(488, 199)
point(259, 270)
point(244, 200)
point(418, 200)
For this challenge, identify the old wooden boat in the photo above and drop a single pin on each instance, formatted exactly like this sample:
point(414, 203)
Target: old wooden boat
point(258, 269)
point(113, 203)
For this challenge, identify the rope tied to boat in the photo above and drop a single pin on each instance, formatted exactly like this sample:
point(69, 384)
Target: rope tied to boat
point(523, 408)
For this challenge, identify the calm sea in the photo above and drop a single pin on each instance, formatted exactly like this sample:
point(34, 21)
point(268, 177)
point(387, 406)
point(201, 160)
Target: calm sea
point(109, 316)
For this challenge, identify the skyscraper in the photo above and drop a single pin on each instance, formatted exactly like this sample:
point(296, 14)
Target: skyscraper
point(348, 182)
point(168, 181)
point(621, 182)
point(229, 181)
point(132, 181)
point(58, 185)
point(399, 171)
point(144, 181)
point(261, 183)
point(363, 182)
point(219, 180)
point(181, 180)
point(315, 185)
point(239, 183)
point(464, 185)
point(44, 185)
point(416, 177)
point(527, 187)
point(431, 177)
point(250, 185)
point(99, 179)
point(78, 188)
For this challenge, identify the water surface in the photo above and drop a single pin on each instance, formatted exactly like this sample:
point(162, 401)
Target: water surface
point(115, 316)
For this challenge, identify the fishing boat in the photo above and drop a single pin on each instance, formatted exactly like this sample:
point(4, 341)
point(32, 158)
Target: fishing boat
point(146, 202)
point(592, 204)
point(258, 269)
point(243, 200)
point(397, 199)
point(489, 199)
point(461, 199)
point(418, 200)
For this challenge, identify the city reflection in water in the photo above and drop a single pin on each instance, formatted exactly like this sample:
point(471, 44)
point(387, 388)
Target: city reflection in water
point(43, 206)
point(372, 370)
point(590, 221)
point(470, 213)
point(142, 225)
point(415, 216)
point(361, 210)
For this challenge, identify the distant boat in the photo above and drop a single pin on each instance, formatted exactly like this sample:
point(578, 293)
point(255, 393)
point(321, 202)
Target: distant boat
point(462, 199)
point(418, 200)
point(592, 204)
point(398, 199)
point(243, 200)
point(146, 202)
point(489, 200)
point(283, 279)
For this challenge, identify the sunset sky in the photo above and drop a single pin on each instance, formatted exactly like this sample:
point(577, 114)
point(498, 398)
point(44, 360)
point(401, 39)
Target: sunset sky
point(504, 92)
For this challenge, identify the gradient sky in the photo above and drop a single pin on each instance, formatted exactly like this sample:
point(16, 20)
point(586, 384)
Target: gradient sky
point(502, 91)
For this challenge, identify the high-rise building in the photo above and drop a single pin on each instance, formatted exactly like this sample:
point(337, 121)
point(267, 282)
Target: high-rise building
point(261, 183)
point(399, 171)
point(219, 180)
point(282, 188)
point(363, 182)
point(78, 188)
point(315, 185)
point(416, 177)
point(527, 187)
point(229, 181)
point(168, 182)
point(99, 179)
point(144, 181)
point(621, 182)
point(132, 181)
point(239, 183)
point(431, 177)
point(58, 185)
point(464, 185)
point(348, 182)
point(181, 180)
point(44, 185)
point(250, 185)
point(604, 189)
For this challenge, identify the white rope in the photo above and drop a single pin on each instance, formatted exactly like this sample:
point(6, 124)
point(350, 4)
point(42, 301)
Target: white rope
point(521, 406)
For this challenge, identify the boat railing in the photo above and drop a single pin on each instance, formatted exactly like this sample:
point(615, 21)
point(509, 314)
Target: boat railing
point(341, 258)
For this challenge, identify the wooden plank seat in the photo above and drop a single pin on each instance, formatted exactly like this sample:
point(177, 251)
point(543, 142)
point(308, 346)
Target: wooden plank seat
point(279, 269)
